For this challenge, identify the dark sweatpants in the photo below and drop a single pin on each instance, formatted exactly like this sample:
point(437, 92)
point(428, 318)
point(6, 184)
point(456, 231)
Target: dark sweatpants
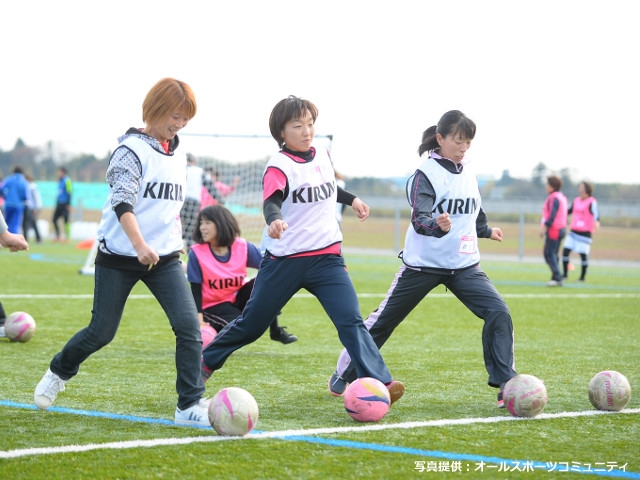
point(473, 288)
point(325, 277)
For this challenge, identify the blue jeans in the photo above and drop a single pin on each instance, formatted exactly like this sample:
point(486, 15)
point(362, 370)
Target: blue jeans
point(112, 288)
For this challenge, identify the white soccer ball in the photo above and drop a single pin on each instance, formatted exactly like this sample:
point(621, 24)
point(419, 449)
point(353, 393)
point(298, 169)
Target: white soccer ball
point(19, 327)
point(525, 396)
point(609, 390)
point(233, 412)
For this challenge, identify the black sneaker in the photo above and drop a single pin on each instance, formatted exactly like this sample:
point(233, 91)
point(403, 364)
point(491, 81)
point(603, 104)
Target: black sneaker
point(281, 335)
point(337, 385)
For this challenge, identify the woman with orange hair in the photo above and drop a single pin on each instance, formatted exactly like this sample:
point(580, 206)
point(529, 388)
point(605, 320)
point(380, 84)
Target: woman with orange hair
point(140, 239)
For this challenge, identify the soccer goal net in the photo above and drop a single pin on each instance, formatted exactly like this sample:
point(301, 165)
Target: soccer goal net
point(236, 163)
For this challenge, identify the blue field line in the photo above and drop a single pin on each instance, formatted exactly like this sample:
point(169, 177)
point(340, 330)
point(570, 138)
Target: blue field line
point(97, 414)
point(475, 462)
point(67, 260)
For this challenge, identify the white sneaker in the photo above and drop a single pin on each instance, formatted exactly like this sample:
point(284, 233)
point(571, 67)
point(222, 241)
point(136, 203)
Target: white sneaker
point(195, 415)
point(2, 334)
point(47, 390)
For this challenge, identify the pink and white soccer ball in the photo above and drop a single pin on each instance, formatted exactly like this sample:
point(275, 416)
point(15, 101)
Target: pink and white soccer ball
point(525, 396)
point(367, 400)
point(609, 390)
point(19, 327)
point(233, 412)
point(208, 333)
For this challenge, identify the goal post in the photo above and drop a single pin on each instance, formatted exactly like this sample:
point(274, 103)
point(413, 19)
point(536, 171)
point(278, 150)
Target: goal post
point(231, 157)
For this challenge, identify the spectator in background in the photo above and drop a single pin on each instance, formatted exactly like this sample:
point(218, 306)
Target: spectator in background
point(16, 193)
point(223, 189)
point(15, 243)
point(553, 227)
point(196, 182)
point(31, 211)
point(584, 220)
point(217, 272)
point(63, 205)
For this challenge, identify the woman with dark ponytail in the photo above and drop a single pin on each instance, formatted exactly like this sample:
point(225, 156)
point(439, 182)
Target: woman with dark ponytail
point(441, 248)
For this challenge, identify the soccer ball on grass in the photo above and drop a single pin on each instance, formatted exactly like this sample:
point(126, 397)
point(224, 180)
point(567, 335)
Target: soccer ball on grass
point(19, 327)
point(525, 396)
point(367, 400)
point(233, 412)
point(609, 390)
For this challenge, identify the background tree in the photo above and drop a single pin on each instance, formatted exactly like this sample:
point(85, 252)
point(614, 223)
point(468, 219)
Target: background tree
point(43, 163)
point(539, 175)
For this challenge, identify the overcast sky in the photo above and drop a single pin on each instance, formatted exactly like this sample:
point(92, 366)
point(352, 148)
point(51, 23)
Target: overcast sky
point(549, 81)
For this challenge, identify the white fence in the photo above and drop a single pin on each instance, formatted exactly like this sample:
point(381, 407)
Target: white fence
point(518, 207)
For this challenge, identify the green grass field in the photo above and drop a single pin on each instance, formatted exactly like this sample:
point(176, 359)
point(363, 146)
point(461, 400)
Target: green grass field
point(114, 421)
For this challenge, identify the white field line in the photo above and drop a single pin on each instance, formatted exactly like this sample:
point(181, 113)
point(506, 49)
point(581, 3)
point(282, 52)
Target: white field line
point(294, 433)
point(361, 295)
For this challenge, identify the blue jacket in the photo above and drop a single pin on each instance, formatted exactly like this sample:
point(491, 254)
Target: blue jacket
point(64, 190)
point(15, 190)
